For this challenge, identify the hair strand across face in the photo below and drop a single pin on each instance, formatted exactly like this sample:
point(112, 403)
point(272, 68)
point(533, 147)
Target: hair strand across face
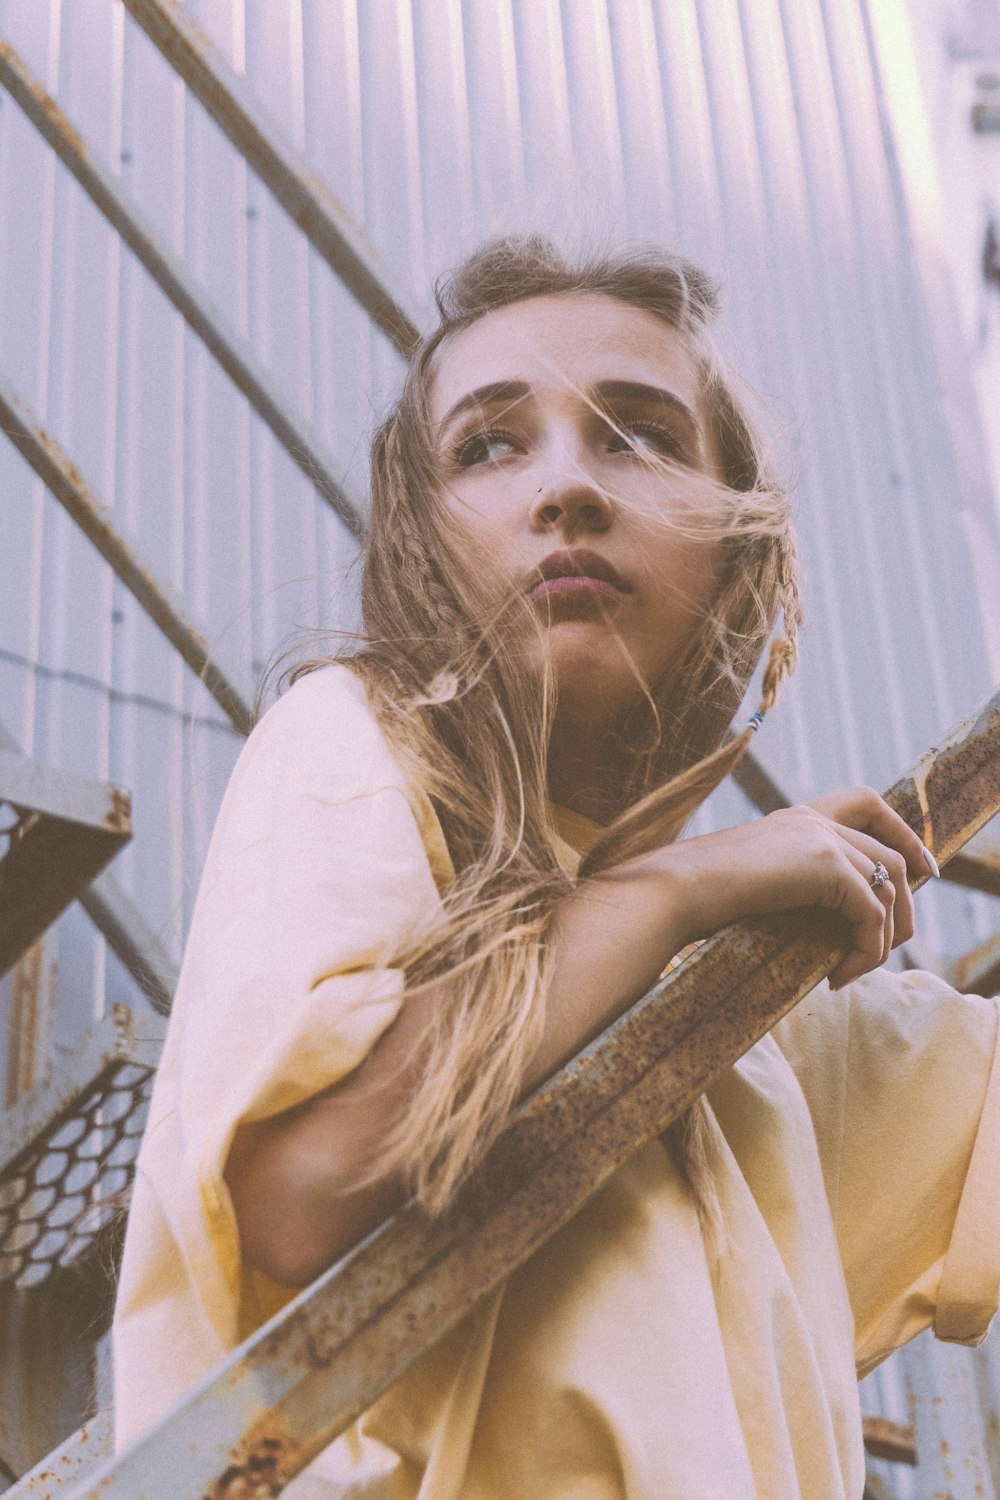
point(471, 725)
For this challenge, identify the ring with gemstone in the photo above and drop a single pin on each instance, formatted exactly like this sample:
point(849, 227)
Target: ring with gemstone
point(880, 876)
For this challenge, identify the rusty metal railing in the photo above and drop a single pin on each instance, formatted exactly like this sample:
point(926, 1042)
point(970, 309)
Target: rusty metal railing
point(224, 343)
point(289, 1390)
point(284, 170)
point(69, 487)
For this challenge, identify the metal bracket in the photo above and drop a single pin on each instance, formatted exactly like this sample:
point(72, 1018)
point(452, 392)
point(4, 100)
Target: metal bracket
point(59, 831)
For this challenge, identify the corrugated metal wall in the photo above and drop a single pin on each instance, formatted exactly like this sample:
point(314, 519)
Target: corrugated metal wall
point(765, 138)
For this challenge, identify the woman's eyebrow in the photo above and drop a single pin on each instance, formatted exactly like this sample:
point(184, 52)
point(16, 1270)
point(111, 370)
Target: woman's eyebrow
point(507, 391)
point(606, 391)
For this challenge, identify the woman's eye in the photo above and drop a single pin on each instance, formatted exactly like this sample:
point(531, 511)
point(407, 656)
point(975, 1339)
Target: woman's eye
point(483, 448)
point(643, 437)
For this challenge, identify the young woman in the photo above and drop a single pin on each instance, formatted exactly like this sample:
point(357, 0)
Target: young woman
point(444, 864)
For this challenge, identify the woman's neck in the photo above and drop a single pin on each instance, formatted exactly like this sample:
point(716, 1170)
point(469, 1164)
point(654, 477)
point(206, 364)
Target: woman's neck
point(586, 768)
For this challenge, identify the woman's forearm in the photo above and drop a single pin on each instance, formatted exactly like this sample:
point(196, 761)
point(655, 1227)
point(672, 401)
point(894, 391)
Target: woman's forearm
point(294, 1178)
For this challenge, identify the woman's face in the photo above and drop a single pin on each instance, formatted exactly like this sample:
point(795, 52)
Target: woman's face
point(550, 417)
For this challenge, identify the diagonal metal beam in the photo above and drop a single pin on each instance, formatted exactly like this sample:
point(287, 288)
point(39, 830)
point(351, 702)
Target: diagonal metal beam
point(978, 972)
point(756, 782)
point(70, 488)
point(285, 171)
point(232, 352)
point(286, 1393)
point(977, 868)
point(132, 940)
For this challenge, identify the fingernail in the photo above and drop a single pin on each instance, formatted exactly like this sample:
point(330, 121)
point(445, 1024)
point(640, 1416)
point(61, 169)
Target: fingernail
point(932, 863)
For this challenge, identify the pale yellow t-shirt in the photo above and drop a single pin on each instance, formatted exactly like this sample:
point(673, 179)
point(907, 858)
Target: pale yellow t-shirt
point(854, 1149)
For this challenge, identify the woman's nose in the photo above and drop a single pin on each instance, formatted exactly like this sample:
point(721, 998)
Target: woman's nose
point(571, 504)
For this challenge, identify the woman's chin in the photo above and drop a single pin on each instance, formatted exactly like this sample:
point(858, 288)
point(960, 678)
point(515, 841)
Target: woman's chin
point(588, 667)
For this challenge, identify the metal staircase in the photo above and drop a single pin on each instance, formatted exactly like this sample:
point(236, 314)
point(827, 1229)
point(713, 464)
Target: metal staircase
point(300, 1380)
point(69, 1139)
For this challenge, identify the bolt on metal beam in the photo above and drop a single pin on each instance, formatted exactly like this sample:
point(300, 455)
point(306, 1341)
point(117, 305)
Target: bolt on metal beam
point(280, 1398)
point(281, 167)
point(69, 487)
point(223, 342)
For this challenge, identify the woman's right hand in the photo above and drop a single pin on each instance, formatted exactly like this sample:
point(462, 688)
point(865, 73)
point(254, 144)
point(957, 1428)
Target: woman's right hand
point(821, 854)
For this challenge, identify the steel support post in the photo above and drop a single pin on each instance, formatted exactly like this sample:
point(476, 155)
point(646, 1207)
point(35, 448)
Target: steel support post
point(286, 1393)
point(232, 352)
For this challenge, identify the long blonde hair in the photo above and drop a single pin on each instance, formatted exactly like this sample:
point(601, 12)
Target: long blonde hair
point(471, 725)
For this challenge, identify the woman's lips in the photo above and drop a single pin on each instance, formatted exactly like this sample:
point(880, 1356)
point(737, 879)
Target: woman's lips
point(577, 575)
point(573, 585)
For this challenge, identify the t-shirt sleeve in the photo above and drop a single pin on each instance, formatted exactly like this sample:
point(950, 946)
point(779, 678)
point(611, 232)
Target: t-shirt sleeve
point(902, 1082)
point(323, 864)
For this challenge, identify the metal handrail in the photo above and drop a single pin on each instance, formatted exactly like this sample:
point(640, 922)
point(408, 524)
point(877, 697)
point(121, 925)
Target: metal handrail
point(281, 167)
point(224, 343)
point(280, 1398)
point(67, 484)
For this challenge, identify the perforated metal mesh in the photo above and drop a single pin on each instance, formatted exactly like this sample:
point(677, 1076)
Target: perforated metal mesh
point(58, 1198)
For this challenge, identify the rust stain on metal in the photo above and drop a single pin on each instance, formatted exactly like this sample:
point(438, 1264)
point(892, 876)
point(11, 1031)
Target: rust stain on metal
point(43, 99)
point(949, 794)
point(964, 777)
point(119, 818)
point(366, 1320)
point(262, 1465)
point(889, 1440)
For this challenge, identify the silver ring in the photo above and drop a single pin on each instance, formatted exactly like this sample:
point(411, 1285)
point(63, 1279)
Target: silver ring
point(880, 876)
